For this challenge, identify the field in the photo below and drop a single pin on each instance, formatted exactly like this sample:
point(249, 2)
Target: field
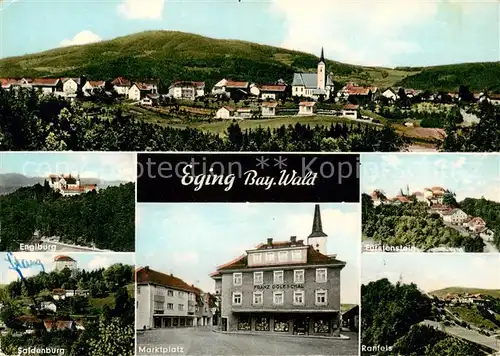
point(495, 293)
point(472, 316)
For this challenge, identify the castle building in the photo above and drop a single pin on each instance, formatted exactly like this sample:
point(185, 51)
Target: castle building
point(314, 85)
point(61, 262)
point(287, 287)
point(69, 185)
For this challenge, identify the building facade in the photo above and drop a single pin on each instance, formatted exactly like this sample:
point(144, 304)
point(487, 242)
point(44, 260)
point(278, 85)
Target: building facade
point(62, 262)
point(69, 185)
point(164, 301)
point(314, 85)
point(286, 287)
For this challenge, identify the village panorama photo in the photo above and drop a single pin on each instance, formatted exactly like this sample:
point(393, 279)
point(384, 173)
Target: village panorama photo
point(135, 75)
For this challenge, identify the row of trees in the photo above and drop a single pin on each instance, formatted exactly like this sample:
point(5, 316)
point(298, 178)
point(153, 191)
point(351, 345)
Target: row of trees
point(435, 119)
point(392, 316)
point(411, 225)
point(105, 219)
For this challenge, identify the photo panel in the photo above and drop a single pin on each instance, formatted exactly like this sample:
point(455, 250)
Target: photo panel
point(431, 202)
point(238, 275)
point(67, 202)
point(430, 304)
point(76, 303)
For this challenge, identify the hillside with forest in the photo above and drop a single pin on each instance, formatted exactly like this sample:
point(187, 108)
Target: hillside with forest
point(487, 209)
point(171, 55)
point(410, 322)
point(104, 219)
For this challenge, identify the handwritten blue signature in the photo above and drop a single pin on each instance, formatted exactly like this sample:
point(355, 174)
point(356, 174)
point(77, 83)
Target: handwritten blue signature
point(18, 265)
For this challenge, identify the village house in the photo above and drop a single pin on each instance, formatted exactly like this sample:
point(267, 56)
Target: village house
point(53, 325)
point(186, 90)
point(390, 94)
point(350, 111)
point(92, 85)
point(69, 185)
point(272, 91)
point(313, 85)
point(419, 196)
point(356, 94)
point(121, 86)
point(140, 90)
point(306, 108)
point(244, 113)
point(61, 262)
point(48, 306)
point(268, 109)
point(475, 224)
point(378, 198)
point(494, 99)
point(225, 112)
point(47, 85)
point(165, 301)
point(70, 85)
point(235, 90)
point(454, 216)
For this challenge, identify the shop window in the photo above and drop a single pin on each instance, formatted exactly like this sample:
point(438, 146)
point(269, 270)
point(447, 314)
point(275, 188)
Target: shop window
point(262, 324)
point(244, 323)
point(281, 324)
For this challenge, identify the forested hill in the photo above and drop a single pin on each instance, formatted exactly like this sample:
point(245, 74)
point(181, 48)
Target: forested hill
point(106, 218)
point(488, 210)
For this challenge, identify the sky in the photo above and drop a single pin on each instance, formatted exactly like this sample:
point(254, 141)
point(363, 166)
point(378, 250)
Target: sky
point(383, 33)
point(467, 175)
point(105, 166)
point(433, 271)
point(191, 240)
point(85, 260)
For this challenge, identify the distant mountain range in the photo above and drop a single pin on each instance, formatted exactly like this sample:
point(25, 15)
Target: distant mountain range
point(10, 182)
point(170, 55)
point(462, 290)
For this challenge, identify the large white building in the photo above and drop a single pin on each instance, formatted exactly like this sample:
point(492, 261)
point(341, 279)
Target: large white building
point(69, 185)
point(163, 301)
point(313, 85)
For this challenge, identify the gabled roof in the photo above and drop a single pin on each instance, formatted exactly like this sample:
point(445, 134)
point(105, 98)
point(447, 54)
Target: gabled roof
point(121, 82)
point(233, 84)
point(145, 86)
point(307, 103)
point(146, 275)
point(358, 91)
point(45, 82)
point(272, 87)
point(97, 83)
point(269, 104)
point(309, 80)
point(351, 107)
point(63, 258)
point(181, 84)
point(228, 108)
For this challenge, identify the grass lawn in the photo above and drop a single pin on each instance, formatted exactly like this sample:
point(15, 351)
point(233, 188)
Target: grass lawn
point(100, 303)
point(472, 316)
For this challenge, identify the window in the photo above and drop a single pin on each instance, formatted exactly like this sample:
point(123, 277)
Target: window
point(158, 307)
point(270, 257)
point(278, 298)
point(298, 297)
point(237, 298)
point(296, 255)
point(278, 277)
point(321, 297)
point(258, 278)
point(181, 307)
point(298, 276)
point(237, 279)
point(138, 290)
point(257, 258)
point(281, 324)
point(282, 256)
point(170, 306)
point(320, 275)
point(262, 324)
point(170, 293)
point(244, 323)
point(258, 298)
point(180, 294)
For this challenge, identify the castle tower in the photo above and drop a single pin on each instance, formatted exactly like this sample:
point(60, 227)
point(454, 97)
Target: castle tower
point(322, 71)
point(317, 238)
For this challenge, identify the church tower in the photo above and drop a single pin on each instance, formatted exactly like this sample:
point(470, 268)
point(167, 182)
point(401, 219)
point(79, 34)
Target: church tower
point(317, 238)
point(322, 71)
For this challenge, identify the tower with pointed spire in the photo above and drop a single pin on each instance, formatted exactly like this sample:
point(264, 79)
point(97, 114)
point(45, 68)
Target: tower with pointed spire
point(322, 71)
point(317, 238)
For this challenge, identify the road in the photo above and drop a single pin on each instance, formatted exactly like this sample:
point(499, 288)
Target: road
point(203, 341)
point(467, 334)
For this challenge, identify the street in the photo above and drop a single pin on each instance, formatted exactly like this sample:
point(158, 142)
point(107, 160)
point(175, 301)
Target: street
point(203, 341)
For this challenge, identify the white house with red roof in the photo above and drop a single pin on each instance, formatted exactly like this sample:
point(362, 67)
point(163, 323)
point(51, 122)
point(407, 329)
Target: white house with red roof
point(268, 108)
point(121, 85)
point(139, 90)
point(69, 185)
point(231, 89)
point(306, 108)
point(92, 85)
point(47, 85)
point(350, 111)
point(476, 224)
point(70, 85)
point(188, 90)
point(61, 262)
point(454, 216)
point(225, 112)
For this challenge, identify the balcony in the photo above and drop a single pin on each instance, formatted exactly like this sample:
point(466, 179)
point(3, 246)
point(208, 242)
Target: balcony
point(159, 298)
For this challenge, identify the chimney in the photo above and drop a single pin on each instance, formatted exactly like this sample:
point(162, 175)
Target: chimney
point(146, 268)
point(293, 239)
point(171, 275)
point(270, 241)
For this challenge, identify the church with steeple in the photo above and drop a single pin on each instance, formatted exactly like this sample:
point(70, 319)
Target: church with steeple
point(317, 85)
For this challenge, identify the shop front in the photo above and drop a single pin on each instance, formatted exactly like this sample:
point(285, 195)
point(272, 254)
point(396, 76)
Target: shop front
point(172, 321)
point(326, 324)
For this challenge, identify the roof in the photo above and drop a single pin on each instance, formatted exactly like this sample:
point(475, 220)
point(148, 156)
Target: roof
point(351, 107)
point(81, 188)
point(358, 91)
point(145, 275)
point(438, 188)
point(494, 96)
point(233, 84)
point(63, 258)
point(58, 324)
point(402, 199)
point(228, 108)
point(181, 83)
point(309, 80)
point(49, 82)
point(272, 87)
point(145, 86)
point(418, 194)
point(97, 83)
point(478, 220)
point(317, 227)
point(268, 104)
point(307, 103)
point(121, 82)
point(313, 258)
